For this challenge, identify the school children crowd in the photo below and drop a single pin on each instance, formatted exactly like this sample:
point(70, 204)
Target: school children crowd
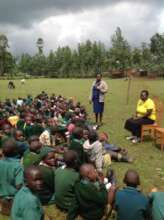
point(51, 154)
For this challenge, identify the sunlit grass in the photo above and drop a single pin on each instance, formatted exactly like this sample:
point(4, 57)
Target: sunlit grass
point(147, 157)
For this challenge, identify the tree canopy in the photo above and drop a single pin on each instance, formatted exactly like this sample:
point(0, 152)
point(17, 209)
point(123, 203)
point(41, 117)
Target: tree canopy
point(87, 59)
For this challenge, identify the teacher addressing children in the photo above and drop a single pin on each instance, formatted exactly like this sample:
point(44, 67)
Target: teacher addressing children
point(98, 90)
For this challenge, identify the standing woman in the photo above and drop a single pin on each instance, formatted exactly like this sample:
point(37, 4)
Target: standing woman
point(98, 90)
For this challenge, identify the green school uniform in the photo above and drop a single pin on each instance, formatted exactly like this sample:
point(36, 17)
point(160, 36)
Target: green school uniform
point(3, 139)
point(77, 145)
point(26, 206)
point(20, 124)
point(11, 175)
point(157, 201)
point(91, 201)
point(22, 146)
point(28, 130)
point(37, 129)
point(46, 195)
point(32, 158)
point(65, 179)
point(29, 101)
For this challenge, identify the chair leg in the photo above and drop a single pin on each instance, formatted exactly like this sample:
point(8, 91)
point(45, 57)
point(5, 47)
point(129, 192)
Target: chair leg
point(141, 137)
point(151, 133)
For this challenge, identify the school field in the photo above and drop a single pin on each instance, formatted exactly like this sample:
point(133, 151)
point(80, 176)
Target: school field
point(149, 160)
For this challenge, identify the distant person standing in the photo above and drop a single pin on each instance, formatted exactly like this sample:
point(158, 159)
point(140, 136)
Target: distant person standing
point(11, 85)
point(98, 91)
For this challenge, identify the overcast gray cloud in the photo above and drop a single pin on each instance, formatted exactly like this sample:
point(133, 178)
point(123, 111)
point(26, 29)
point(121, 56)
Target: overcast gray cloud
point(61, 22)
point(22, 12)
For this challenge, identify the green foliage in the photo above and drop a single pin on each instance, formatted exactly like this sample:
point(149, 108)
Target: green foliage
point(87, 59)
point(148, 159)
point(120, 52)
point(157, 46)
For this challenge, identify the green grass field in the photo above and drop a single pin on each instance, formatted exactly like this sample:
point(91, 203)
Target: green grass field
point(148, 158)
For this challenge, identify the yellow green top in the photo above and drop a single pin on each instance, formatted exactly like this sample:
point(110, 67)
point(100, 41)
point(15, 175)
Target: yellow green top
point(144, 106)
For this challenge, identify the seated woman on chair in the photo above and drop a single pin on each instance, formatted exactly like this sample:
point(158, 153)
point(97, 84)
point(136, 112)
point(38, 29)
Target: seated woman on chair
point(145, 114)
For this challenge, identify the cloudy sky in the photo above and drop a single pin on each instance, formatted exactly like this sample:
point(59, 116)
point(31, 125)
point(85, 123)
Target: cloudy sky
point(67, 22)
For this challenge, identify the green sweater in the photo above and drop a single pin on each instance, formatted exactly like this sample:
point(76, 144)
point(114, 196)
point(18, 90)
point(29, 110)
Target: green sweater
point(77, 145)
point(31, 158)
point(11, 175)
point(26, 206)
point(91, 200)
point(65, 179)
point(46, 195)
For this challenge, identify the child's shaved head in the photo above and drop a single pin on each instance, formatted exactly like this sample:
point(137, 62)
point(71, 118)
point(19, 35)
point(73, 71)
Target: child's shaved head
point(33, 178)
point(132, 178)
point(85, 168)
point(88, 171)
point(70, 158)
point(10, 148)
point(78, 133)
point(33, 138)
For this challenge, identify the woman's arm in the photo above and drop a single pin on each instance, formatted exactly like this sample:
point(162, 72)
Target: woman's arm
point(103, 87)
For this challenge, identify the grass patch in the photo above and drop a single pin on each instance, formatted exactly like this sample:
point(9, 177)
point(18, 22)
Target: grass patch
point(148, 158)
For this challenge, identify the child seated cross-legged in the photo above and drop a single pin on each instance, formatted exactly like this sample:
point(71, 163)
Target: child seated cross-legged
point(26, 205)
point(21, 141)
point(91, 196)
point(94, 149)
point(6, 133)
point(65, 179)
point(26, 126)
point(47, 167)
point(35, 153)
point(76, 144)
point(11, 175)
point(156, 199)
point(130, 202)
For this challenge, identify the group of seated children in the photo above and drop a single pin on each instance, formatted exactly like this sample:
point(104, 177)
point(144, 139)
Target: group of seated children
point(52, 155)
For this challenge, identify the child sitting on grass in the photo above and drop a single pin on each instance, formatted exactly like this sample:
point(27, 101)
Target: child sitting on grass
point(26, 205)
point(156, 199)
point(94, 149)
point(117, 153)
point(47, 167)
point(65, 179)
point(11, 174)
point(6, 133)
point(76, 144)
point(91, 195)
point(21, 141)
point(35, 153)
point(26, 126)
point(130, 203)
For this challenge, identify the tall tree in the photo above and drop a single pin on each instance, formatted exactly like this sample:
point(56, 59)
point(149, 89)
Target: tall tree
point(40, 45)
point(3, 50)
point(25, 63)
point(157, 45)
point(120, 52)
point(136, 57)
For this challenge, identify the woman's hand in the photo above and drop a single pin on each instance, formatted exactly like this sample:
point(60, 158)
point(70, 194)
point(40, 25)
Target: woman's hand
point(134, 116)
